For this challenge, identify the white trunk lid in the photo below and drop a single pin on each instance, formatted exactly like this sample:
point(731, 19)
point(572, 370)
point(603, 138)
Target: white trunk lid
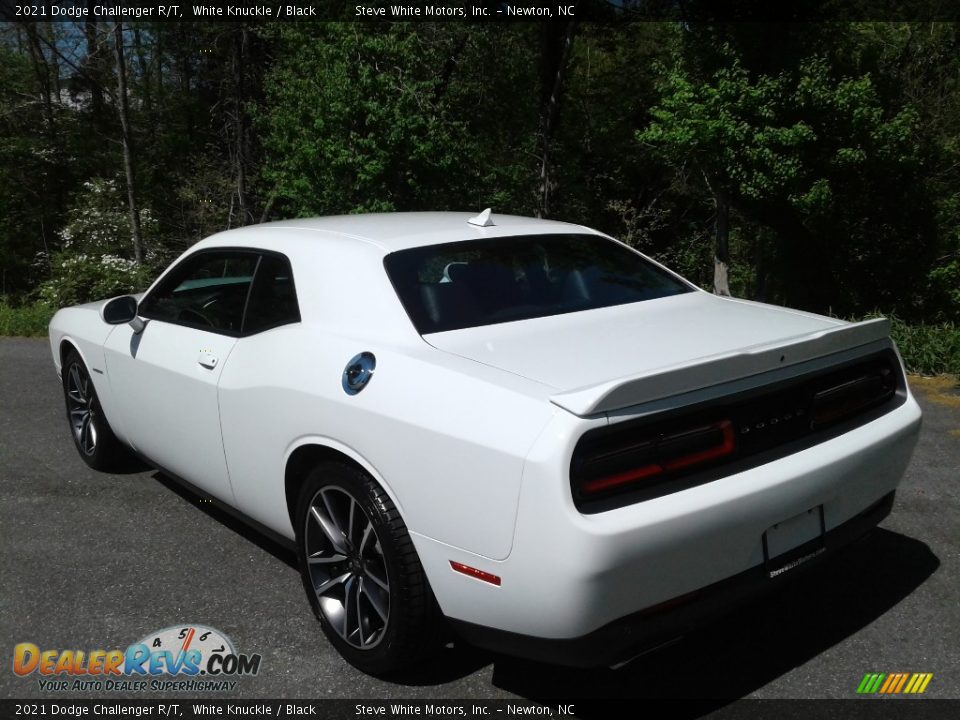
point(619, 356)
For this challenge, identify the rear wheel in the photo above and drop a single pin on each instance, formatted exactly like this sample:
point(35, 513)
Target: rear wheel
point(92, 436)
point(361, 572)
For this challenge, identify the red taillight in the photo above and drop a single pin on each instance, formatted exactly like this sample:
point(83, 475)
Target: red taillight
point(611, 481)
point(475, 573)
point(725, 447)
point(677, 451)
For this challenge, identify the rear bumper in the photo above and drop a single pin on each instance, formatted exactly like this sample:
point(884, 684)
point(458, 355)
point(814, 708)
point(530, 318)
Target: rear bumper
point(654, 627)
point(571, 575)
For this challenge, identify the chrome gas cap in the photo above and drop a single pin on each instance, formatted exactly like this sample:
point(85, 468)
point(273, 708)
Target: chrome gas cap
point(358, 372)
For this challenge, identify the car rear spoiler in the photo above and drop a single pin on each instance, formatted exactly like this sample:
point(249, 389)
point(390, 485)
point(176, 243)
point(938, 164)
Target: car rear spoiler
point(705, 372)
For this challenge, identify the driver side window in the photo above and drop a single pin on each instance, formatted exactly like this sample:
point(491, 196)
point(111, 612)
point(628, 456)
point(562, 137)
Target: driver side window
point(207, 291)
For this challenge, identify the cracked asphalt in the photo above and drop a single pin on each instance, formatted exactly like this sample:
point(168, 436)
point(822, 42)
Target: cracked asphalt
point(97, 561)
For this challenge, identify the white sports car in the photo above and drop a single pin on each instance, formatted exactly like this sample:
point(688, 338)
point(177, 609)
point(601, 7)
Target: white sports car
point(517, 428)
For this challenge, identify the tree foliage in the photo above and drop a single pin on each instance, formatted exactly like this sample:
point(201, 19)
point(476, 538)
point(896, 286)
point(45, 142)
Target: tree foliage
point(361, 119)
point(358, 121)
point(828, 153)
point(812, 157)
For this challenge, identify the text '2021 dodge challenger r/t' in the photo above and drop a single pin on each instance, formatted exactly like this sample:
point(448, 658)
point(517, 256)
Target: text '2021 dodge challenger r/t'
point(520, 429)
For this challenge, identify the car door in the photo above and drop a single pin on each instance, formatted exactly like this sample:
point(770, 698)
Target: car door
point(164, 378)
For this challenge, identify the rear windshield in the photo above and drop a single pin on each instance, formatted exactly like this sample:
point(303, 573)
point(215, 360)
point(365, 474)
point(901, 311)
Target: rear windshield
point(482, 282)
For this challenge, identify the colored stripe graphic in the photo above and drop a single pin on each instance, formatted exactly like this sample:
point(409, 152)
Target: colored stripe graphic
point(875, 685)
point(901, 681)
point(894, 683)
point(890, 680)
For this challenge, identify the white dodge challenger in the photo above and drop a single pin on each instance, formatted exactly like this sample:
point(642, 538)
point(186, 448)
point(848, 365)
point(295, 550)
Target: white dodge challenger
point(517, 428)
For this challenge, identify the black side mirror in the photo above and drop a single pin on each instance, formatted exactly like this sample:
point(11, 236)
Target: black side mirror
point(119, 310)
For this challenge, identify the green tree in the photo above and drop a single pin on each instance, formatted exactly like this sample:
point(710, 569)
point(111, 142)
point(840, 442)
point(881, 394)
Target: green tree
point(806, 153)
point(734, 132)
point(359, 120)
point(921, 62)
point(33, 172)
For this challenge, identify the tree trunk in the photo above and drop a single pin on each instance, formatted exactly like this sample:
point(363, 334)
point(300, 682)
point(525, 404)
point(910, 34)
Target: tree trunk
point(268, 207)
point(158, 62)
point(51, 41)
point(92, 64)
point(557, 48)
point(123, 110)
point(41, 69)
point(240, 124)
point(449, 67)
point(721, 258)
point(144, 64)
point(760, 268)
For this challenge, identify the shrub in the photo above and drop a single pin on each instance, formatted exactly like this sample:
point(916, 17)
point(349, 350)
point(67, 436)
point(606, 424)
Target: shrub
point(25, 321)
point(93, 261)
point(928, 349)
point(80, 278)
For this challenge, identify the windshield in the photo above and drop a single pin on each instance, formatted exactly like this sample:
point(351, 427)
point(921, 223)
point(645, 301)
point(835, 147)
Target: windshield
point(482, 282)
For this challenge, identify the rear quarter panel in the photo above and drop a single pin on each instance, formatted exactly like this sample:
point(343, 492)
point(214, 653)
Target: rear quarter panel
point(445, 437)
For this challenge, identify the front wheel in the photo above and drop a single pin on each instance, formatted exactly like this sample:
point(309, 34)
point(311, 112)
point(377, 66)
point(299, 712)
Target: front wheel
point(92, 436)
point(361, 572)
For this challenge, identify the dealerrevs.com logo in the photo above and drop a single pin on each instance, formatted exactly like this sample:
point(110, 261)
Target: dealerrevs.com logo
point(188, 658)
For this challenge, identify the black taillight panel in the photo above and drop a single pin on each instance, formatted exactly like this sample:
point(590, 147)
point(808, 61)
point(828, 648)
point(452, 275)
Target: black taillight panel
point(640, 459)
point(846, 398)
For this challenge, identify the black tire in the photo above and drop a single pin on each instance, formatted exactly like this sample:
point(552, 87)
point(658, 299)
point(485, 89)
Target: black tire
point(92, 436)
point(353, 546)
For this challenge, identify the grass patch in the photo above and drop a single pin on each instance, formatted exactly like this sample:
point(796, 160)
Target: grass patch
point(25, 320)
point(928, 349)
point(941, 389)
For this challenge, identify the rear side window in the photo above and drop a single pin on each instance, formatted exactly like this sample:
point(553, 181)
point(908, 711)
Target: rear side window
point(273, 300)
point(482, 282)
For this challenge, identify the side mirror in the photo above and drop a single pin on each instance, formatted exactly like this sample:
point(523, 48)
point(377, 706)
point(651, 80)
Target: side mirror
point(122, 310)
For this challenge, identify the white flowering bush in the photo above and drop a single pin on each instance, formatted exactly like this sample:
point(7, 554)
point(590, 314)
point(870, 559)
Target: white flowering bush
point(82, 277)
point(95, 256)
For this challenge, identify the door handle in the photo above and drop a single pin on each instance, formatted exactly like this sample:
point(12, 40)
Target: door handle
point(207, 360)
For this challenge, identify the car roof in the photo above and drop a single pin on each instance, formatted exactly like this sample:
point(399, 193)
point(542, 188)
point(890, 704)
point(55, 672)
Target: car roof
point(397, 231)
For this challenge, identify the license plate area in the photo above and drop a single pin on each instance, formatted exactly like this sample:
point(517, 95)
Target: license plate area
point(794, 541)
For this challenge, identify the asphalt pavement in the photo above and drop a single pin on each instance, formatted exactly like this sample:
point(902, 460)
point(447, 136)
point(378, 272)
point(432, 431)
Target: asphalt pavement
point(96, 561)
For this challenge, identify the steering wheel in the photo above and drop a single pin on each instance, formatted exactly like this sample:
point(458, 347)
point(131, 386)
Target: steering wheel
point(194, 316)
